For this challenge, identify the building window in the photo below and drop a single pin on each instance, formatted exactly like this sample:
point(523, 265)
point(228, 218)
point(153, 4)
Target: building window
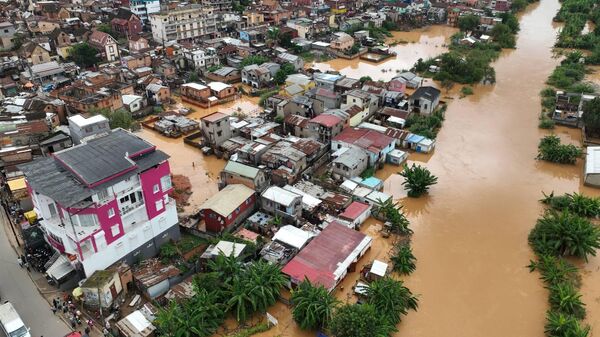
point(159, 205)
point(103, 195)
point(52, 209)
point(155, 189)
point(111, 212)
point(165, 182)
point(115, 230)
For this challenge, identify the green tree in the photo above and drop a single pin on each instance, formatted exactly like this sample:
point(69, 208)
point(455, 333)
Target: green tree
point(591, 117)
point(366, 78)
point(503, 35)
point(355, 49)
point(468, 23)
point(559, 324)
point(106, 28)
point(354, 320)
point(312, 305)
point(555, 270)
point(395, 216)
point(225, 267)
point(391, 299)
point(576, 203)
point(83, 55)
point(273, 35)
point(565, 298)
point(417, 180)
point(403, 260)
point(254, 59)
point(283, 72)
point(116, 119)
point(551, 149)
point(564, 234)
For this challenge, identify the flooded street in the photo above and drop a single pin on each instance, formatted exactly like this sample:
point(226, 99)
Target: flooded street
point(203, 171)
point(422, 43)
point(471, 231)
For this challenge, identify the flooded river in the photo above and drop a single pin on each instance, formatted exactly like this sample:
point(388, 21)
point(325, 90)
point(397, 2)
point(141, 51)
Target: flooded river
point(471, 232)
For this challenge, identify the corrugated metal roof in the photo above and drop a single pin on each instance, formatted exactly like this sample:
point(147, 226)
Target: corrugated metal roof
point(241, 169)
point(228, 199)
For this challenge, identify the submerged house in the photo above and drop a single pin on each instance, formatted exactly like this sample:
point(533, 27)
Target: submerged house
point(328, 258)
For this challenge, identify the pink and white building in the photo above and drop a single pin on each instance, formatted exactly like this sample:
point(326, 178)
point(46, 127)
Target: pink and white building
point(105, 200)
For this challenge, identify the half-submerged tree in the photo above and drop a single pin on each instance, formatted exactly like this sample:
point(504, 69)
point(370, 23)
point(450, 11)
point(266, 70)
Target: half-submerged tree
point(312, 305)
point(391, 299)
point(417, 180)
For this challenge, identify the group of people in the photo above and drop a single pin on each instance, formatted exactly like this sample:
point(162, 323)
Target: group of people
point(74, 315)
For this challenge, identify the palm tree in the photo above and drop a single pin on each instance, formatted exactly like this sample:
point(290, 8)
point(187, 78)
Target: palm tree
point(391, 299)
point(555, 270)
point(561, 325)
point(566, 299)
point(564, 234)
point(313, 305)
point(240, 302)
point(265, 281)
point(417, 180)
point(204, 313)
point(225, 267)
point(353, 320)
point(395, 216)
point(273, 34)
point(403, 259)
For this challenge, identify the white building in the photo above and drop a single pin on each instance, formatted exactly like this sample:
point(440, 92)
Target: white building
point(200, 58)
point(185, 23)
point(104, 201)
point(143, 8)
point(81, 127)
point(592, 166)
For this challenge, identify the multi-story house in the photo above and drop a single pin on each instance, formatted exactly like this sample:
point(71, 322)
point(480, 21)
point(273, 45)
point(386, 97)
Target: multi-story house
point(104, 201)
point(377, 145)
point(239, 173)
point(81, 127)
point(226, 209)
point(283, 204)
point(192, 22)
point(216, 128)
point(105, 44)
point(126, 23)
point(143, 8)
point(219, 5)
point(367, 102)
point(7, 33)
point(259, 76)
point(200, 58)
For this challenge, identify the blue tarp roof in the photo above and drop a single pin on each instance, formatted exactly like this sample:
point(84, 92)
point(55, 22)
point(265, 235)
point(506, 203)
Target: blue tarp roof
point(414, 138)
point(371, 182)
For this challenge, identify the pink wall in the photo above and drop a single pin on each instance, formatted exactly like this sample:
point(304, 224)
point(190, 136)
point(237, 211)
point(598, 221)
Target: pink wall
point(106, 223)
point(149, 178)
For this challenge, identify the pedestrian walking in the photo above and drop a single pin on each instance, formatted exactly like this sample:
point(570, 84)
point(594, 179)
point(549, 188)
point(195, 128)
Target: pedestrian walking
point(20, 261)
point(73, 322)
point(105, 332)
point(90, 323)
point(53, 310)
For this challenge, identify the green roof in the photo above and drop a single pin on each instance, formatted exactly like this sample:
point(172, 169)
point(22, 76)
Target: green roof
point(98, 279)
point(241, 169)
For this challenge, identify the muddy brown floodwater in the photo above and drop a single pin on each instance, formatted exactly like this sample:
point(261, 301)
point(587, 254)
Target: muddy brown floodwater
point(471, 231)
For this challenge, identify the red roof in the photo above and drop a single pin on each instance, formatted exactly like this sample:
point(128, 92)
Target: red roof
point(367, 139)
point(354, 210)
point(327, 120)
point(319, 260)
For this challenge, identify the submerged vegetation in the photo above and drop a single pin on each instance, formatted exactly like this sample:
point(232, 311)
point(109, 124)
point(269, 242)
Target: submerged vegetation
point(564, 230)
point(551, 149)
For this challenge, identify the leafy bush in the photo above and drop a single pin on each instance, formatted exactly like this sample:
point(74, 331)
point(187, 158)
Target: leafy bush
point(352, 320)
point(466, 91)
point(564, 298)
point(546, 123)
point(564, 234)
point(550, 149)
point(168, 251)
point(555, 270)
point(576, 203)
point(403, 260)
